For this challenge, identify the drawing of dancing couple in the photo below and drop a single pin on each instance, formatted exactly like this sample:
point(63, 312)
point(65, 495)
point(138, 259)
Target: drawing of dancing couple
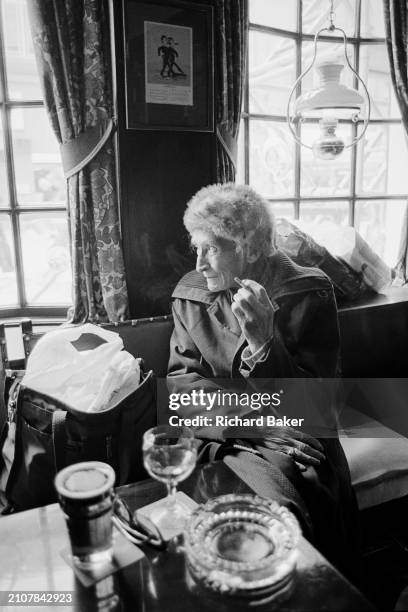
point(169, 54)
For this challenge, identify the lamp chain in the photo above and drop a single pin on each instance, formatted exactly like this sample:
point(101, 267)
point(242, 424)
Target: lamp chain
point(331, 15)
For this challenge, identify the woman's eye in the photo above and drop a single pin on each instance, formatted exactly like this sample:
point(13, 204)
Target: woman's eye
point(204, 250)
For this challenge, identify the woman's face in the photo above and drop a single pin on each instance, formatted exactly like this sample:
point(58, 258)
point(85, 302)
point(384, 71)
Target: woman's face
point(218, 259)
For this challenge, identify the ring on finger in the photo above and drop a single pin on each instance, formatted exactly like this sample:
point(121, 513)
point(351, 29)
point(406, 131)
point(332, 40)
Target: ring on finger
point(291, 452)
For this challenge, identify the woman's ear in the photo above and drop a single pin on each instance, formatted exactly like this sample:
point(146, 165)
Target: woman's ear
point(253, 253)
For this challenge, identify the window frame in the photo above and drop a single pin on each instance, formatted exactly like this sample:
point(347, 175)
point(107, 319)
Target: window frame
point(13, 211)
point(246, 116)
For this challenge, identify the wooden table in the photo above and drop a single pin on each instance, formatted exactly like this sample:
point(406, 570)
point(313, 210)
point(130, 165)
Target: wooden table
point(30, 560)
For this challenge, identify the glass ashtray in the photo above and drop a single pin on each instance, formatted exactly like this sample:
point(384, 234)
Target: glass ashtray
point(242, 545)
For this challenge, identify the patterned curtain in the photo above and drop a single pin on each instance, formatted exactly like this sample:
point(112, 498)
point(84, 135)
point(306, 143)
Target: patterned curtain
point(231, 41)
point(396, 28)
point(71, 41)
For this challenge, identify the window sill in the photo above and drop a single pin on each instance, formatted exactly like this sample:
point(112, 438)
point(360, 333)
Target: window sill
point(36, 321)
point(40, 315)
point(388, 297)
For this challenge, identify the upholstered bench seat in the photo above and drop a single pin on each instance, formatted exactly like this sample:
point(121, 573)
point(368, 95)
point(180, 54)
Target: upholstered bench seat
point(377, 456)
point(378, 461)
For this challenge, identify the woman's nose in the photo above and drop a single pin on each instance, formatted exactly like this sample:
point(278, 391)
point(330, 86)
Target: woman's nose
point(201, 263)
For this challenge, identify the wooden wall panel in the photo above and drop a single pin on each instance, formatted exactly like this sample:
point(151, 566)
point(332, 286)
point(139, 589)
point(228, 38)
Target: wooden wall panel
point(374, 337)
point(159, 173)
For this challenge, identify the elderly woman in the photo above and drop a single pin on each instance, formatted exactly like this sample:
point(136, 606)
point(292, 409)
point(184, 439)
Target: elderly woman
point(248, 313)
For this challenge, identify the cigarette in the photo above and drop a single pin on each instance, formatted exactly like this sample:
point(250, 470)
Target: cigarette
point(239, 282)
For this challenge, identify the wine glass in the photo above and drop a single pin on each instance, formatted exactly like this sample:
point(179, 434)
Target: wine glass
point(169, 455)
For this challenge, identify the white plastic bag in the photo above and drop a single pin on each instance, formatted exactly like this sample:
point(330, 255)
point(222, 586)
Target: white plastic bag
point(88, 380)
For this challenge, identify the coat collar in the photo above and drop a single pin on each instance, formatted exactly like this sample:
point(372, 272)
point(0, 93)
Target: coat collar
point(193, 286)
point(276, 273)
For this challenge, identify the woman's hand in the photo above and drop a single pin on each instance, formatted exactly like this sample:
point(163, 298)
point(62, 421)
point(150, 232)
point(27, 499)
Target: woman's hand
point(303, 448)
point(255, 313)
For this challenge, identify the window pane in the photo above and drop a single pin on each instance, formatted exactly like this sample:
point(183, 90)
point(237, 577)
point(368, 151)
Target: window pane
point(380, 223)
point(272, 72)
point(22, 75)
point(326, 51)
point(282, 209)
point(372, 19)
point(382, 161)
point(240, 174)
point(37, 160)
point(325, 177)
point(46, 261)
point(318, 212)
point(315, 15)
point(274, 13)
point(271, 162)
point(8, 282)
point(4, 200)
point(375, 72)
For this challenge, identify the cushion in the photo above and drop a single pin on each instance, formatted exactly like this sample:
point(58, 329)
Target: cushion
point(378, 461)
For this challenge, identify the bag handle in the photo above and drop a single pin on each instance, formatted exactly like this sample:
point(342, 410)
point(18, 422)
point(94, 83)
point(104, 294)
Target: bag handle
point(59, 438)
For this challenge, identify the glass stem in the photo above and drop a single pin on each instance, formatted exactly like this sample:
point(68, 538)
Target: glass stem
point(171, 494)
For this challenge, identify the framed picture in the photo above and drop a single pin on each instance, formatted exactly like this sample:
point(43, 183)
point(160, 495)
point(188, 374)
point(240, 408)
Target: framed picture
point(168, 65)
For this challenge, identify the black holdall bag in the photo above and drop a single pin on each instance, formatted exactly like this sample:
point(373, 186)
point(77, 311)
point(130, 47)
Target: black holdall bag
point(43, 435)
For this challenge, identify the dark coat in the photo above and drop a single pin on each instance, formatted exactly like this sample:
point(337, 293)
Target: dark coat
point(207, 339)
point(207, 344)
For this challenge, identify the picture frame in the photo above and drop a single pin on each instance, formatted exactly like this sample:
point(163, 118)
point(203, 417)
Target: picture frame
point(169, 65)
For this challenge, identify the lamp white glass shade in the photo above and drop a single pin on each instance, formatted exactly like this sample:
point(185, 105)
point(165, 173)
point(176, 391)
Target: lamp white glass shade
point(330, 95)
point(328, 145)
